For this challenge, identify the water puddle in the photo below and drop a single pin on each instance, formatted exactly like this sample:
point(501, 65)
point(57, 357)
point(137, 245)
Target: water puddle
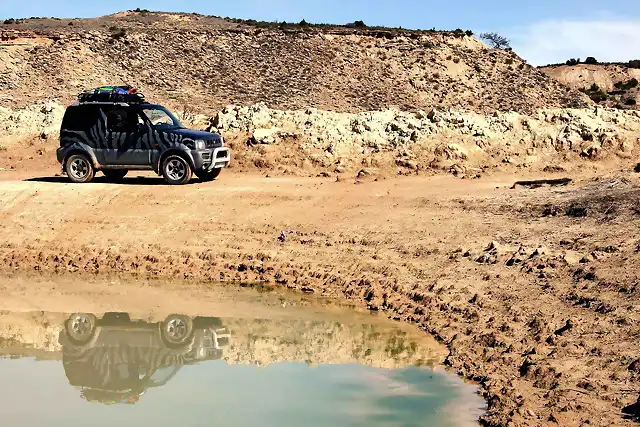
point(331, 367)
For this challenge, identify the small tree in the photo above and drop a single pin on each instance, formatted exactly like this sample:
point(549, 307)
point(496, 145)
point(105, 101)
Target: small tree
point(591, 60)
point(357, 24)
point(573, 61)
point(495, 40)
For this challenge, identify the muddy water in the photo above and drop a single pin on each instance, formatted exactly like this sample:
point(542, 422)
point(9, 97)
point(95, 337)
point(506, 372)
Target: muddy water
point(265, 365)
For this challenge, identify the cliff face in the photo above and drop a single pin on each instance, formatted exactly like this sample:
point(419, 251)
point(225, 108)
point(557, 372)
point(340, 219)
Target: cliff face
point(204, 63)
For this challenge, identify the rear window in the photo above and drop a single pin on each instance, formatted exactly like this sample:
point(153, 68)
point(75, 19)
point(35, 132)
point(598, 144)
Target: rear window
point(80, 118)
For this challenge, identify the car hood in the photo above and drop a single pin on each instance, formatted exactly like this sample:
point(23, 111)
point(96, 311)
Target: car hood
point(195, 134)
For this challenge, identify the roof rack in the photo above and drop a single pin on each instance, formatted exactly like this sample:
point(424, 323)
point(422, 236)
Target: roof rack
point(126, 94)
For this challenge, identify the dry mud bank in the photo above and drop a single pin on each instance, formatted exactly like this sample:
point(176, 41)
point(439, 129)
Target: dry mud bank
point(534, 291)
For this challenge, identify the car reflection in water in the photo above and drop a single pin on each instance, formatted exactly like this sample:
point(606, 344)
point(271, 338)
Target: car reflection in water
point(114, 359)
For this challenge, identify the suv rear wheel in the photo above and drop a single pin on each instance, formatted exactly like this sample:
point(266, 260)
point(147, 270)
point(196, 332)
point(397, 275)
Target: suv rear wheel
point(79, 168)
point(176, 170)
point(115, 174)
point(207, 176)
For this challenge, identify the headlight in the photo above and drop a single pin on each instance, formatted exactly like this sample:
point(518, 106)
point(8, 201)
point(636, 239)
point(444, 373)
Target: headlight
point(201, 145)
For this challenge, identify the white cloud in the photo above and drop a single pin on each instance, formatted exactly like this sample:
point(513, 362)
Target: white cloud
point(550, 42)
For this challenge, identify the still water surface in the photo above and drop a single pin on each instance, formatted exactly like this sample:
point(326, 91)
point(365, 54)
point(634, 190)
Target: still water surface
point(117, 369)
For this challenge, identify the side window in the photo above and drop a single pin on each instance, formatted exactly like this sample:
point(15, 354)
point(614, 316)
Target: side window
point(80, 118)
point(121, 119)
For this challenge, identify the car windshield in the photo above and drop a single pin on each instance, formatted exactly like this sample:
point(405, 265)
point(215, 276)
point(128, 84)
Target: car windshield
point(161, 118)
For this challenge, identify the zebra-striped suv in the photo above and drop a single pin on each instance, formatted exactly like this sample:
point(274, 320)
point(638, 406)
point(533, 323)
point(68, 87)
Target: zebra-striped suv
point(116, 137)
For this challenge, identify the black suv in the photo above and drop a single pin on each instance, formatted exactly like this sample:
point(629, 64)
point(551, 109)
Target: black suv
point(115, 137)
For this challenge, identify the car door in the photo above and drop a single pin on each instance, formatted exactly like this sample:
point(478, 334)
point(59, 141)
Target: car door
point(125, 146)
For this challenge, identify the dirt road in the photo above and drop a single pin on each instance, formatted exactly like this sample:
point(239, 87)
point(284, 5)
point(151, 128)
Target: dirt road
point(534, 291)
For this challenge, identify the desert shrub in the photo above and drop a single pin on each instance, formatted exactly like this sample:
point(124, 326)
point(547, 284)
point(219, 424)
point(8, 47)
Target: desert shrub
point(303, 23)
point(10, 21)
point(573, 61)
point(627, 85)
point(595, 93)
point(120, 34)
point(634, 63)
point(630, 102)
point(469, 33)
point(591, 60)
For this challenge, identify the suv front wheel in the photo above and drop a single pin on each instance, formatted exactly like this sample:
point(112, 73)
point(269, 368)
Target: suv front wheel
point(176, 170)
point(79, 168)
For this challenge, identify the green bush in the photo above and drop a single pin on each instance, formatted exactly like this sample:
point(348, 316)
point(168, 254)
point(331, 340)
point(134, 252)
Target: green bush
point(632, 83)
point(595, 93)
point(469, 33)
point(591, 60)
point(573, 61)
point(634, 63)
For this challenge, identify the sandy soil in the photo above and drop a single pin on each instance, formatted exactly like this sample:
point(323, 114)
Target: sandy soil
point(534, 291)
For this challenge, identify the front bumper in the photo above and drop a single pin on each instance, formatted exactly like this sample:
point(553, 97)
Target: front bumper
point(216, 158)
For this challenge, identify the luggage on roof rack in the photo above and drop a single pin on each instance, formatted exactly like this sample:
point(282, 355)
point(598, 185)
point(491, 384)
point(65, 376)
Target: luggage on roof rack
point(112, 94)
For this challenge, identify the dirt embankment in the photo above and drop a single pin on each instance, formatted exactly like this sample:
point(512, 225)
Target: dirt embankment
point(376, 143)
point(534, 291)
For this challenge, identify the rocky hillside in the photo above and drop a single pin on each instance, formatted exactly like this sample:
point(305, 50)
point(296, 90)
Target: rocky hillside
point(205, 63)
point(615, 85)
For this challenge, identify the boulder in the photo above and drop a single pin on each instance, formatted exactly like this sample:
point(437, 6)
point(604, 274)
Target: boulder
point(265, 136)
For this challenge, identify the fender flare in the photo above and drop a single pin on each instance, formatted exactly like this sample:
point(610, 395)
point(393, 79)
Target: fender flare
point(78, 149)
point(182, 153)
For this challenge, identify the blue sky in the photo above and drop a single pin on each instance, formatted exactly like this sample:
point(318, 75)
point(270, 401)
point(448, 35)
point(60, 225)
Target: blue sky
point(541, 31)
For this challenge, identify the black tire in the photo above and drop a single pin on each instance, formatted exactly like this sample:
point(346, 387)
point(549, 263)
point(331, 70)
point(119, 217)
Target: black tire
point(207, 176)
point(176, 170)
point(176, 330)
point(79, 168)
point(80, 328)
point(115, 174)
